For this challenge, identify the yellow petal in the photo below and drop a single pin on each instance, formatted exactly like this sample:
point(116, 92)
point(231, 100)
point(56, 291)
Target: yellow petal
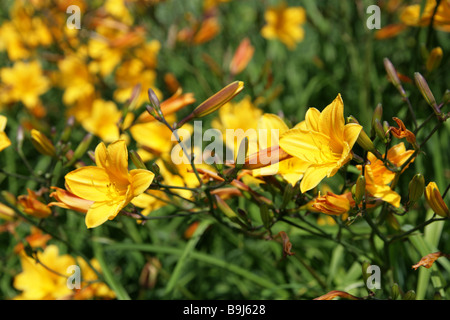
point(141, 179)
point(312, 119)
point(331, 122)
point(90, 183)
point(100, 212)
point(303, 144)
point(312, 177)
point(351, 133)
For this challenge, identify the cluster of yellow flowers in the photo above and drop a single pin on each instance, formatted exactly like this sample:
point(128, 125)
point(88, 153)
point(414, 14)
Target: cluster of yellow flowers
point(113, 55)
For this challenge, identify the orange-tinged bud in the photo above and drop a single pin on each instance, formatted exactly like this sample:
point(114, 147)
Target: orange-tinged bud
point(42, 143)
point(242, 56)
point(434, 59)
point(32, 206)
point(265, 158)
point(435, 200)
point(6, 212)
point(389, 31)
point(67, 200)
point(334, 204)
point(215, 102)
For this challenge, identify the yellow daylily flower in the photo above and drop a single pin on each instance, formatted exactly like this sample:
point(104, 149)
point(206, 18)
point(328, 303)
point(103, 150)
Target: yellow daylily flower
point(284, 23)
point(378, 177)
point(109, 184)
point(323, 142)
point(411, 15)
point(45, 280)
point(25, 82)
point(103, 120)
point(4, 140)
point(290, 169)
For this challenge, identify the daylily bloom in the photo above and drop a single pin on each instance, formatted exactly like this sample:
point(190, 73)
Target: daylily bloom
point(323, 142)
point(45, 280)
point(25, 82)
point(435, 200)
point(4, 140)
point(109, 184)
point(103, 120)
point(378, 177)
point(411, 15)
point(284, 23)
point(32, 206)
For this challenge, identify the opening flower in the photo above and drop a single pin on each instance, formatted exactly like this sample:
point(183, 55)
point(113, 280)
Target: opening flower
point(323, 142)
point(434, 199)
point(109, 184)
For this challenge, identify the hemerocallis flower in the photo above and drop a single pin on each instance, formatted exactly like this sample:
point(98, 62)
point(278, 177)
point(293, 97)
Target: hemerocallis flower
point(90, 285)
point(284, 23)
point(45, 280)
point(378, 177)
point(103, 120)
point(4, 140)
point(434, 199)
point(26, 83)
point(322, 142)
point(412, 16)
point(109, 184)
point(32, 206)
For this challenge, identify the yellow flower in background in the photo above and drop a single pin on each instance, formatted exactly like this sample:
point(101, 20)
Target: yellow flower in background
point(131, 73)
point(109, 184)
point(284, 23)
point(25, 82)
point(322, 142)
point(119, 10)
point(378, 177)
point(242, 115)
point(91, 287)
point(435, 201)
point(4, 140)
point(46, 280)
point(74, 76)
point(411, 15)
point(103, 120)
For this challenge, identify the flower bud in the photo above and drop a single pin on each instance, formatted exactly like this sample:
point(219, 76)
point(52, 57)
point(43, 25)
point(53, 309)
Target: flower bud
point(360, 189)
point(81, 149)
point(241, 154)
point(435, 200)
point(65, 135)
point(410, 295)
point(393, 76)
point(6, 213)
point(137, 161)
point(215, 102)
point(426, 92)
point(377, 114)
point(416, 188)
point(434, 59)
point(242, 56)
point(379, 131)
point(42, 143)
point(225, 208)
point(395, 291)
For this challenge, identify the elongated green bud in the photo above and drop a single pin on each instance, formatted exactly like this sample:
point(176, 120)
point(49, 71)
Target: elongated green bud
point(416, 188)
point(393, 76)
point(395, 291)
point(136, 159)
point(360, 189)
